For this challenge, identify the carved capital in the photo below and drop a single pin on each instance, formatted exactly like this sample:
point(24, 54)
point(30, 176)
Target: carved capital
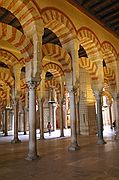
point(98, 94)
point(31, 85)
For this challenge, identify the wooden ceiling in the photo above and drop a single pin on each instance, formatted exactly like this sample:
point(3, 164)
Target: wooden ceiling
point(105, 11)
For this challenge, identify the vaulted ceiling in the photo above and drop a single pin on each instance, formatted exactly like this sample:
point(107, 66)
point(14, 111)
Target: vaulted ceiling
point(105, 11)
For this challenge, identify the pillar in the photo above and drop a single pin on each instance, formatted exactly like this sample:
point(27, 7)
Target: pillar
point(32, 149)
point(16, 108)
point(74, 145)
point(51, 114)
point(116, 107)
point(77, 113)
point(61, 119)
point(99, 119)
point(110, 116)
point(41, 118)
point(26, 109)
point(24, 121)
point(5, 123)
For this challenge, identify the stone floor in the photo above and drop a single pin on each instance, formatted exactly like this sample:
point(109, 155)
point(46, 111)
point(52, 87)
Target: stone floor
point(91, 162)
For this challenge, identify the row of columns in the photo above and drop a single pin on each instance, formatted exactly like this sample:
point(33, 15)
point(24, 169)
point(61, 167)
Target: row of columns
point(32, 152)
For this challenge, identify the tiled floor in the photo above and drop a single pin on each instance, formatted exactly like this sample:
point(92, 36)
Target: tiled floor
point(91, 162)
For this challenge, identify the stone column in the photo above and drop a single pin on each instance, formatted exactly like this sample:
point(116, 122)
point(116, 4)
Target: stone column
point(77, 112)
point(26, 111)
point(99, 119)
point(116, 107)
point(41, 118)
point(66, 109)
point(16, 108)
point(54, 115)
point(61, 119)
point(74, 145)
point(32, 150)
point(41, 98)
point(110, 116)
point(51, 114)
point(24, 121)
point(5, 123)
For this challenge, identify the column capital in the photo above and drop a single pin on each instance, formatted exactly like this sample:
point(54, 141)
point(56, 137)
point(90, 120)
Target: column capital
point(72, 89)
point(61, 100)
point(32, 84)
point(98, 94)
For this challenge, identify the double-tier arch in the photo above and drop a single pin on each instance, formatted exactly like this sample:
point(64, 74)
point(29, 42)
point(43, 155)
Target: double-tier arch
point(25, 11)
point(10, 59)
point(59, 54)
point(17, 39)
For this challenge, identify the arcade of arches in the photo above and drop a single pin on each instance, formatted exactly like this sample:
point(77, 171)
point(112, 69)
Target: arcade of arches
point(57, 65)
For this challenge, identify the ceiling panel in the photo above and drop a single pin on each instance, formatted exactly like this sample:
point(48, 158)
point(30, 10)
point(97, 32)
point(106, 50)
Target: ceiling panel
point(105, 11)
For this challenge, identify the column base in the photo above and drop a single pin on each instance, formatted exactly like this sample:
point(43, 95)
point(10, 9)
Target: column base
point(101, 141)
point(32, 157)
point(73, 147)
point(62, 134)
point(24, 132)
point(42, 137)
point(15, 141)
point(6, 134)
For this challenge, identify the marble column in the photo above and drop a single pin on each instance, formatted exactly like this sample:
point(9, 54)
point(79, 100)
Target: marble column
point(51, 114)
point(16, 108)
point(32, 149)
point(99, 119)
point(116, 107)
point(41, 118)
point(74, 144)
point(24, 121)
point(26, 108)
point(77, 112)
point(61, 119)
point(110, 117)
point(5, 123)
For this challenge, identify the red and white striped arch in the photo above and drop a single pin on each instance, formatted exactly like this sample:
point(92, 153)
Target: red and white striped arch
point(9, 59)
point(17, 39)
point(3, 95)
point(59, 54)
point(22, 95)
point(53, 84)
point(109, 52)
point(23, 87)
point(3, 99)
point(109, 75)
point(53, 68)
point(59, 23)
point(90, 42)
point(108, 94)
point(90, 66)
point(23, 84)
point(6, 76)
point(25, 11)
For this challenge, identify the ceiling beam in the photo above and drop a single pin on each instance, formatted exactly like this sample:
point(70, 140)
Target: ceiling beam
point(107, 8)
